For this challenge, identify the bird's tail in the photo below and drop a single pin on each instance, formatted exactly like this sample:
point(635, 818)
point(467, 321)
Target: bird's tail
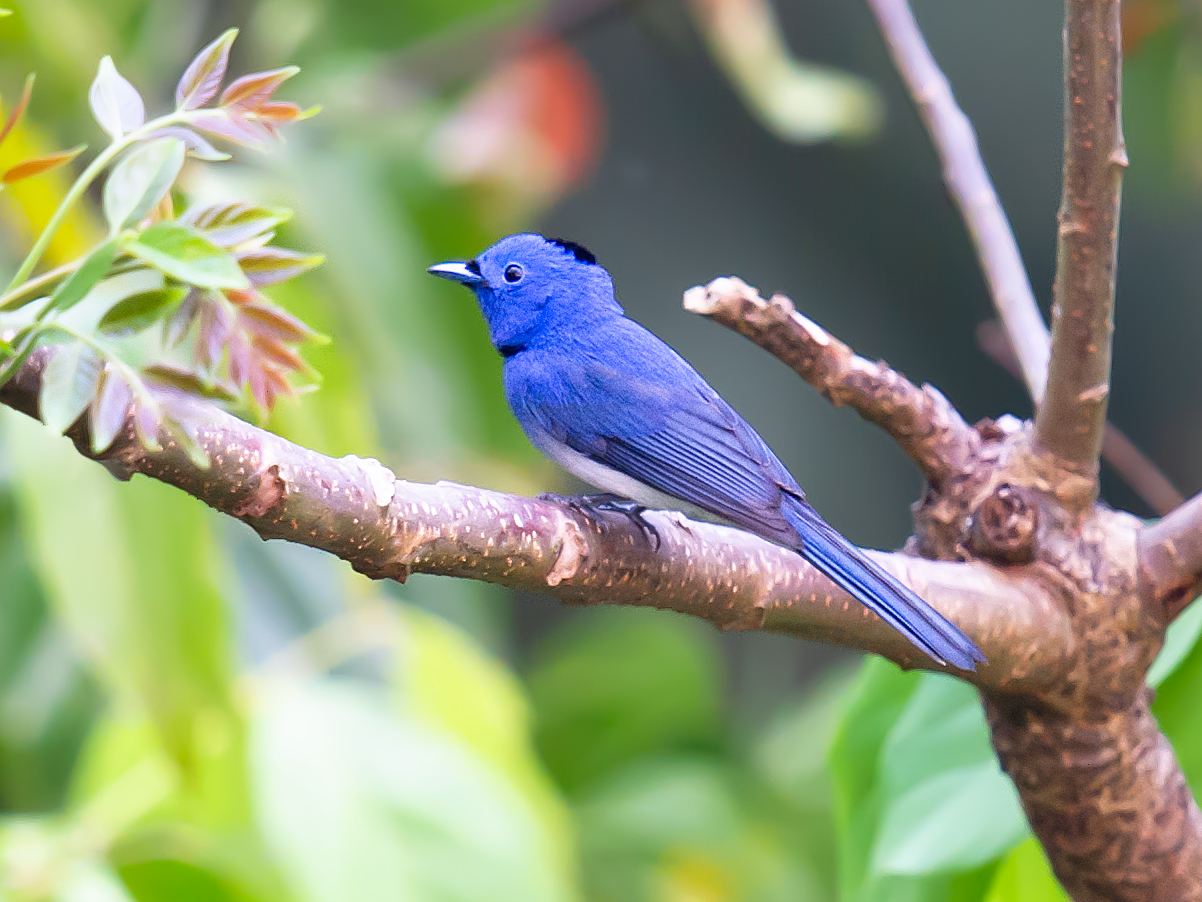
point(880, 592)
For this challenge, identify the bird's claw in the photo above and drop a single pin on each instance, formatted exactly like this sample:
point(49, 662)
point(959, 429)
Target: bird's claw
point(588, 506)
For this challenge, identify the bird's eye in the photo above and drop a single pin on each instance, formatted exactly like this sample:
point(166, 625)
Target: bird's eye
point(513, 273)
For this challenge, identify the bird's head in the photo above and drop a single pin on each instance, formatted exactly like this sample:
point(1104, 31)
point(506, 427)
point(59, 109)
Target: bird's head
point(531, 288)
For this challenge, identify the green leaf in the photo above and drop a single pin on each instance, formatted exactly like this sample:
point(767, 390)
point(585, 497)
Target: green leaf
point(1176, 710)
point(68, 385)
point(619, 685)
point(190, 381)
point(947, 806)
point(942, 728)
point(133, 573)
point(141, 180)
point(1025, 876)
point(91, 881)
point(76, 286)
point(46, 695)
point(954, 821)
point(142, 310)
point(694, 827)
point(166, 879)
point(1179, 641)
point(355, 803)
point(202, 79)
point(447, 681)
point(186, 255)
point(876, 703)
point(912, 759)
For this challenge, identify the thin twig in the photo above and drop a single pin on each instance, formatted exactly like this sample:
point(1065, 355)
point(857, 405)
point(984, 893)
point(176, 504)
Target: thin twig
point(388, 528)
point(1070, 419)
point(1135, 467)
point(919, 419)
point(971, 188)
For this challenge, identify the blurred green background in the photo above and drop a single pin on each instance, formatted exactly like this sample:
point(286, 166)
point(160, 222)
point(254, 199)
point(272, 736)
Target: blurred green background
point(187, 713)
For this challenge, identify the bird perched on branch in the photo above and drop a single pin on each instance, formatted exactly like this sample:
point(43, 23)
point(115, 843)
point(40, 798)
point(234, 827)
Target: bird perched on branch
point(611, 403)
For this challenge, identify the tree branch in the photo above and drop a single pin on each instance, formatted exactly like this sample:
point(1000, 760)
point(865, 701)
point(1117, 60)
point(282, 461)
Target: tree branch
point(388, 528)
point(1070, 421)
point(920, 420)
point(1170, 559)
point(970, 187)
point(1135, 467)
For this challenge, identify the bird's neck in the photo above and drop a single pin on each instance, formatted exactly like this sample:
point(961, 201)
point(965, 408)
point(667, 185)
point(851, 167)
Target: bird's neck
point(563, 335)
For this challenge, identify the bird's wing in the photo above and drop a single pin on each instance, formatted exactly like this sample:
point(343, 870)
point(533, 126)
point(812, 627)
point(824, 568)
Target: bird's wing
point(678, 437)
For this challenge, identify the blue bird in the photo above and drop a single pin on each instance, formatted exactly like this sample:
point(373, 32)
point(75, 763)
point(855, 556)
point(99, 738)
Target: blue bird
point(617, 407)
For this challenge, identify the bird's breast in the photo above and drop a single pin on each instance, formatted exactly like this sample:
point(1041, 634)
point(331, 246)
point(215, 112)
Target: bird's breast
point(597, 474)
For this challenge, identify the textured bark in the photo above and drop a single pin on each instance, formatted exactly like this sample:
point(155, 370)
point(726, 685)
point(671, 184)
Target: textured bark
point(1171, 560)
point(1105, 796)
point(1136, 468)
point(1099, 782)
point(920, 420)
point(388, 528)
point(1071, 418)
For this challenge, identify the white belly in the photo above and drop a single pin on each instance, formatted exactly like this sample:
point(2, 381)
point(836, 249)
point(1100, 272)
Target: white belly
point(610, 480)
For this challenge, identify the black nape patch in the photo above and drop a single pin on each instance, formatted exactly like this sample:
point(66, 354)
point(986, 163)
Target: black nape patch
point(579, 251)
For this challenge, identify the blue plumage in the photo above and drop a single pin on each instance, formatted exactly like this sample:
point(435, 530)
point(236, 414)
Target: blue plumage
point(610, 402)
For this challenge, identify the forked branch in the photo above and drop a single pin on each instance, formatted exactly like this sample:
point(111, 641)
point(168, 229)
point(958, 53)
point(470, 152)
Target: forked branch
point(1135, 467)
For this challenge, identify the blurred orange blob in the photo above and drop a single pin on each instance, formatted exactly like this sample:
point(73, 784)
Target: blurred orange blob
point(533, 128)
point(1144, 18)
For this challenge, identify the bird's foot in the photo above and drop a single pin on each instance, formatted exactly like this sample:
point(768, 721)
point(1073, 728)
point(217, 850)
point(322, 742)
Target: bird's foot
point(588, 506)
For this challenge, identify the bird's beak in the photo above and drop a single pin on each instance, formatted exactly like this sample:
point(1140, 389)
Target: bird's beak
point(457, 272)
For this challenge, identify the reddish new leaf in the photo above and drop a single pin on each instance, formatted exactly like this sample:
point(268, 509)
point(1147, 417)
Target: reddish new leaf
point(258, 387)
point(271, 265)
point(251, 90)
point(240, 358)
point(202, 79)
point(19, 109)
point(233, 126)
point(280, 112)
point(267, 321)
point(281, 356)
point(216, 326)
point(38, 165)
